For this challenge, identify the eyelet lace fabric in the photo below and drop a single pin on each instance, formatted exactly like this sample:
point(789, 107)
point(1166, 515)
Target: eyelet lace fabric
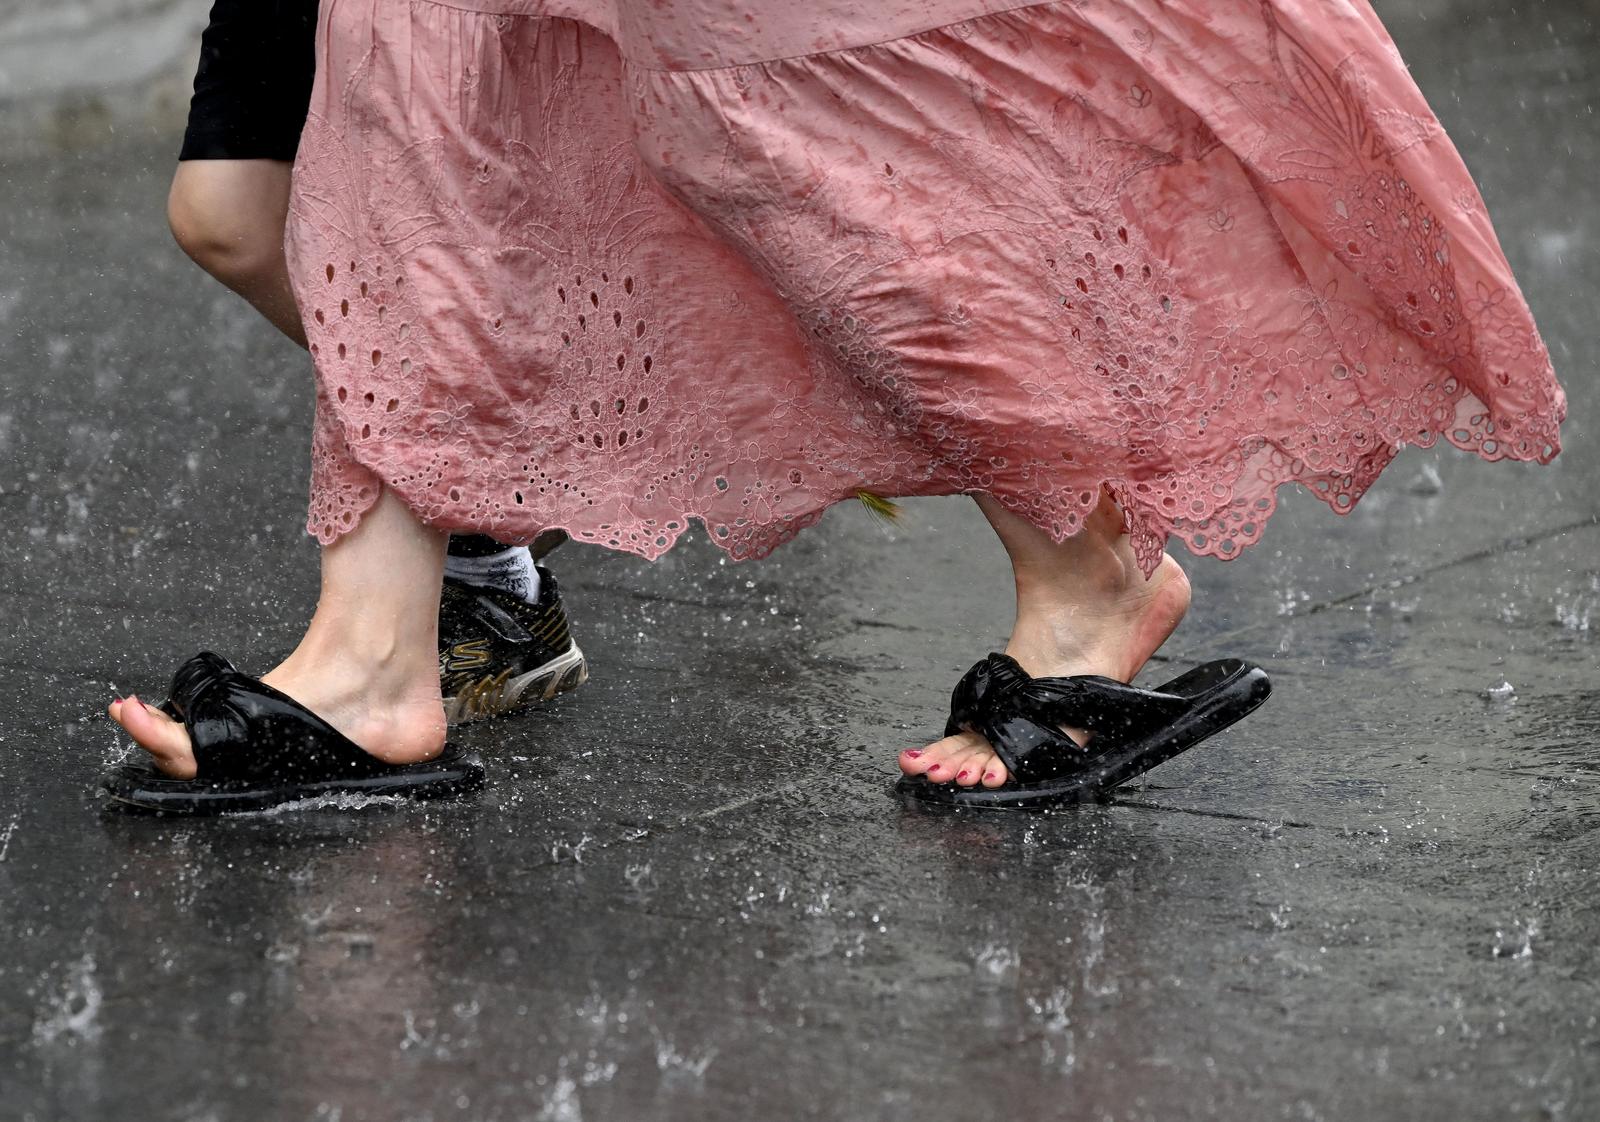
point(614, 267)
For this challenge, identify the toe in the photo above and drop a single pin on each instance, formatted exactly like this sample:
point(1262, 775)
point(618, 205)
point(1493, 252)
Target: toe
point(994, 772)
point(914, 761)
point(980, 766)
point(969, 766)
point(937, 761)
point(166, 740)
point(917, 761)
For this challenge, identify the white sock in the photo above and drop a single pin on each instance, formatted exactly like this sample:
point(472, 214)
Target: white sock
point(510, 570)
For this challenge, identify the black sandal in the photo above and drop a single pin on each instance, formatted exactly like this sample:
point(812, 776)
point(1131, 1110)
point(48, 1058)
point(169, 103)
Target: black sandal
point(1134, 729)
point(256, 748)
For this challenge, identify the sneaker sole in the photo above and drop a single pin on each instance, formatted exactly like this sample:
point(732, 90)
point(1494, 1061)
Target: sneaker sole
point(495, 694)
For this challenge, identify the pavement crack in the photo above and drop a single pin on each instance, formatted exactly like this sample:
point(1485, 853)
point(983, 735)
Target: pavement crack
point(680, 601)
point(630, 834)
point(1501, 548)
point(860, 621)
point(743, 801)
point(1225, 815)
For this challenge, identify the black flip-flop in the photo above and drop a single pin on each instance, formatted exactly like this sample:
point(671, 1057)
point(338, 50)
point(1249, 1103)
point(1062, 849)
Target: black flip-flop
point(1133, 729)
point(257, 748)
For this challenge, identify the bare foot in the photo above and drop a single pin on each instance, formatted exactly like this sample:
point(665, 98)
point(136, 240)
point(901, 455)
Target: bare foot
point(394, 712)
point(1113, 634)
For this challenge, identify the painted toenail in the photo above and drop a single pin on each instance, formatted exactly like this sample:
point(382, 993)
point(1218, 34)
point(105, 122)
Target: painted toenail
point(990, 775)
point(934, 768)
point(913, 753)
point(963, 775)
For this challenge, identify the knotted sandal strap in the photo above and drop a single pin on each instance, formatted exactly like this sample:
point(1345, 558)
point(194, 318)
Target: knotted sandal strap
point(1021, 716)
point(240, 728)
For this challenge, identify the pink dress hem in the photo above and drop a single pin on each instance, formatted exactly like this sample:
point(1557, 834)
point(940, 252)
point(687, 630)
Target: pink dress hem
point(1188, 250)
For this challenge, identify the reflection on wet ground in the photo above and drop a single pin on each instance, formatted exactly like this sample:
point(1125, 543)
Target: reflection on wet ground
point(687, 893)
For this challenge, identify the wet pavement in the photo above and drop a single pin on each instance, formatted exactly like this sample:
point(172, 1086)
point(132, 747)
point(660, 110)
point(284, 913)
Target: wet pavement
point(687, 893)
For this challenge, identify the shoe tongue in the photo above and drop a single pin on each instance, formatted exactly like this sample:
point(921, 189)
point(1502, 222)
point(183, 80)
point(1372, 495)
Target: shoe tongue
point(502, 622)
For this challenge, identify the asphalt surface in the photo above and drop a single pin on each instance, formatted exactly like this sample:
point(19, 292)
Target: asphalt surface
point(687, 893)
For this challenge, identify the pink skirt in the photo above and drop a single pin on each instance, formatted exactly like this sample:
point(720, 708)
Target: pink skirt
point(616, 265)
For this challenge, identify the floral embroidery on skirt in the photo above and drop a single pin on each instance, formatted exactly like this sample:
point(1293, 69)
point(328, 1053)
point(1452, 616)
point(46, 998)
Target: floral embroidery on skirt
point(615, 266)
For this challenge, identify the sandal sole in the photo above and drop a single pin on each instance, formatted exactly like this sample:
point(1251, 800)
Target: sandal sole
point(139, 787)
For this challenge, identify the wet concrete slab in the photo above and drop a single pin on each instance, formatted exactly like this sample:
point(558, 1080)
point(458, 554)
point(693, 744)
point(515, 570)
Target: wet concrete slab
point(687, 893)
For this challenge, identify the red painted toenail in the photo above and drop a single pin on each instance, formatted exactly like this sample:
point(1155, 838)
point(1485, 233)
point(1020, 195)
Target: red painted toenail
point(913, 753)
point(990, 775)
point(963, 775)
point(934, 768)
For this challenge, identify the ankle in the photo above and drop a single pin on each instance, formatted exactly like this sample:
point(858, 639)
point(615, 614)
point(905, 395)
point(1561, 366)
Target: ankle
point(1112, 633)
point(371, 655)
point(1094, 572)
point(1050, 643)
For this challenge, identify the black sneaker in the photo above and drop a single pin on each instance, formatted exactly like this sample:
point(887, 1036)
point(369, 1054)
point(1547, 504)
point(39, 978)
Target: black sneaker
point(497, 652)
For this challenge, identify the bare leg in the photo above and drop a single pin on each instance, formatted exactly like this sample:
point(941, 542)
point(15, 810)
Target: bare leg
point(1083, 607)
point(228, 215)
point(368, 663)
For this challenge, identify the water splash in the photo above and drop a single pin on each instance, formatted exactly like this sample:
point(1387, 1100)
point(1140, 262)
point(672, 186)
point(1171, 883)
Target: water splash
point(1268, 830)
point(283, 953)
point(561, 1102)
point(1426, 481)
point(672, 1062)
point(1094, 955)
point(596, 1072)
point(1057, 1042)
point(570, 851)
point(416, 1038)
point(1517, 942)
point(1574, 614)
point(75, 1012)
point(995, 963)
point(1289, 599)
point(338, 800)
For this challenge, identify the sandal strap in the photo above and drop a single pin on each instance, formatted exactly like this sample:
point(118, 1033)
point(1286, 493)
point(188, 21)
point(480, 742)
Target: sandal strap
point(240, 728)
point(1021, 716)
point(198, 698)
point(194, 681)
